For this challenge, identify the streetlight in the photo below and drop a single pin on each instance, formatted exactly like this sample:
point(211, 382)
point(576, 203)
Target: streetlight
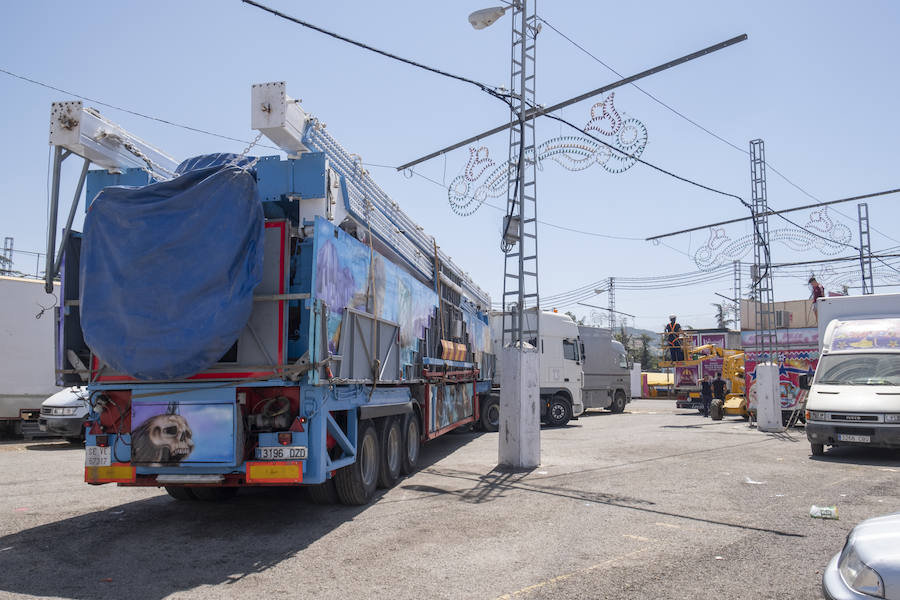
point(520, 429)
point(486, 16)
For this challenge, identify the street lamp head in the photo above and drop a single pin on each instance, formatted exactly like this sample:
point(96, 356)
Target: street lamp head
point(486, 16)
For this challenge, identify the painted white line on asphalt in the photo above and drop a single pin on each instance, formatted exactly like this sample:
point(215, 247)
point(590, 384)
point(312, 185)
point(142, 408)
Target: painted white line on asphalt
point(546, 582)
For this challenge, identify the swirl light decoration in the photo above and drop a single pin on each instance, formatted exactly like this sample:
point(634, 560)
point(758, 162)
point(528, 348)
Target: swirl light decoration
point(831, 239)
point(482, 178)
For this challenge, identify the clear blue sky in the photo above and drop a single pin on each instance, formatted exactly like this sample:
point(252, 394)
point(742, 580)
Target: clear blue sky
point(815, 80)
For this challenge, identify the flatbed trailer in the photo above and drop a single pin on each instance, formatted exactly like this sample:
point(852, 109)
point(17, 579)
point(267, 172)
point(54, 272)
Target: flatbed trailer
point(361, 338)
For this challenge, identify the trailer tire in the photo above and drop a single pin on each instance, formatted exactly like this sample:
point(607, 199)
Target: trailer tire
point(391, 436)
point(559, 412)
point(180, 493)
point(214, 494)
point(323, 494)
point(716, 410)
point(817, 449)
point(618, 403)
point(490, 415)
point(356, 483)
point(412, 435)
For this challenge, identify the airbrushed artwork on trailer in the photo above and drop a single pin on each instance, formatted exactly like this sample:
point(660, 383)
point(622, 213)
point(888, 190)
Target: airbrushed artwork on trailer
point(173, 433)
point(449, 404)
point(479, 334)
point(343, 279)
point(798, 355)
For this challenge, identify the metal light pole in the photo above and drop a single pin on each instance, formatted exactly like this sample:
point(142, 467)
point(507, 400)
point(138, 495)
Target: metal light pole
point(519, 359)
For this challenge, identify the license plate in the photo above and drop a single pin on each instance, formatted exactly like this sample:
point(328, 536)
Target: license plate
point(95, 456)
point(844, 437)
point(281, 453)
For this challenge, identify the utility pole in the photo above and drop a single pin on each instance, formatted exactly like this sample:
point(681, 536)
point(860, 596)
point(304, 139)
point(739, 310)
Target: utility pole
point(865, 249)
point(611, 299)
point(737, 293)
point(768, 392)
point(6, 265)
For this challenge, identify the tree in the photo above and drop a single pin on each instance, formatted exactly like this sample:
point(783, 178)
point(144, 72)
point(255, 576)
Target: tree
point(647, 360)
point(722, 311)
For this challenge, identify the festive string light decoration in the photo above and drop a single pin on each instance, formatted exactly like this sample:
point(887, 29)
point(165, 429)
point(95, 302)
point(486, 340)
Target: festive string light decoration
point(823, 234)
point(482, 178)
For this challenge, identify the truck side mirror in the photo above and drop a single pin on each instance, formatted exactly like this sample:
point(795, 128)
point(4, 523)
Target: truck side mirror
point(803, 382)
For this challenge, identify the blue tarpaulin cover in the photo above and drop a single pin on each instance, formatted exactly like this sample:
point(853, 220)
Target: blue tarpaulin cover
point(168, 270)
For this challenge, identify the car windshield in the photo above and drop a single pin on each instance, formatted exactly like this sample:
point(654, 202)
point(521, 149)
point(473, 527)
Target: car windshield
point(859, 369)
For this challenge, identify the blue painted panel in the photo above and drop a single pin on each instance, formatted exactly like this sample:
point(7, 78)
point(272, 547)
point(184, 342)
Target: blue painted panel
point(304, 176)
point(343, 275)
point(97, 180)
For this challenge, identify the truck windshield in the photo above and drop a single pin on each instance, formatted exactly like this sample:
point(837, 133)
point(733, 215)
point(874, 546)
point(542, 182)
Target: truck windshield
point(859, 369)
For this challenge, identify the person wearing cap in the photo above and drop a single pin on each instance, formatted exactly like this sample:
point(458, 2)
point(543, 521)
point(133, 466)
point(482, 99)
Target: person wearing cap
point(673, 339)
point(818, 291)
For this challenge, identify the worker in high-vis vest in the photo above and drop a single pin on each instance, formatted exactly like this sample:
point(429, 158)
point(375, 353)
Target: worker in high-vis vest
point(673, 329)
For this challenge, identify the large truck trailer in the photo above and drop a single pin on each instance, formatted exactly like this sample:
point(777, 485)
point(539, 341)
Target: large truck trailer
point(244, 321)
point(26, 368)
point(607, 370)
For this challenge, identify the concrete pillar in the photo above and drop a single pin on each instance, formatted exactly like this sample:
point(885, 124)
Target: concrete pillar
point(768, 398)
point(520, 410)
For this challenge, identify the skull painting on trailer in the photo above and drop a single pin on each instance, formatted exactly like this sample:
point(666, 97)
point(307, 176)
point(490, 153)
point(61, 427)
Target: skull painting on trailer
point(163, 439)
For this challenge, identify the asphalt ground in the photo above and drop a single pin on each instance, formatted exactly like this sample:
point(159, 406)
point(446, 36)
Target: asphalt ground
point(653, 503)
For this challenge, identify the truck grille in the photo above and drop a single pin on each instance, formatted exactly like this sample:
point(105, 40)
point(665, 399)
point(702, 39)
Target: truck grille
point(854, 418)
point(46, 411)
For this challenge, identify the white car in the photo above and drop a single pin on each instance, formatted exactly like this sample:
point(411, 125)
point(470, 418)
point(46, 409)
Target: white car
point(869, 565)
point(65, 412)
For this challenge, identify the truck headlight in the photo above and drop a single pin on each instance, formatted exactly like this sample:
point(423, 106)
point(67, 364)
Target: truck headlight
point(858, 575)
point(816, 415)
point(895, 418)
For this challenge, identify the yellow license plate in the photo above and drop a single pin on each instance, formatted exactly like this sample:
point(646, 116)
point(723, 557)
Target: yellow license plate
point(275, 472)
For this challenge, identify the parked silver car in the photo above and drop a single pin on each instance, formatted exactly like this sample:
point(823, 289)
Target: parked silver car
point(64, 413)
point(869, 565)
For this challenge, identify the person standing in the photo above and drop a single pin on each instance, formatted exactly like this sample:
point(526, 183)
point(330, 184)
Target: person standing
point(818, 291)
point(705, 395)
point(718, 387)
point(673, 339)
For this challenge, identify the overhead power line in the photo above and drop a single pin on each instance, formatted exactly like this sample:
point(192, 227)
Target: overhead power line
point(131, 112)
point(774, 212)
point(701, 127)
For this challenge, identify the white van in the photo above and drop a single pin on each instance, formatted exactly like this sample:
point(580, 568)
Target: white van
point(854, 399)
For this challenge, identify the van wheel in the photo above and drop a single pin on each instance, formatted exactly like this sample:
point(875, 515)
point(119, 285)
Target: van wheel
point(817, 449)
point(356, 483)
point(559, 412)
point(490, 415)
point(618, 403)
point(391, 437)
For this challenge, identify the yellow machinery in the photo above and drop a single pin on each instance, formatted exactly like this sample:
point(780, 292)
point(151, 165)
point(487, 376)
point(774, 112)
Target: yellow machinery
point(735, 403)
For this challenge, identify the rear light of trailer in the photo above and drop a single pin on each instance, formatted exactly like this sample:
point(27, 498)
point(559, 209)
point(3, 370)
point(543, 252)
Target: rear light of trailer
point(285, 439)
point(102, 440)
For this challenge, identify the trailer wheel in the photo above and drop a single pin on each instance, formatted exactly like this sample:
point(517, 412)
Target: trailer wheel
point(356, 483)
point(391, 436)
point(411, 443)
point(817, 449)
point(323, 493)
point(214, 494)
point(180, 492)
point(618, 403)
point(490, 415)
point(559, 412)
